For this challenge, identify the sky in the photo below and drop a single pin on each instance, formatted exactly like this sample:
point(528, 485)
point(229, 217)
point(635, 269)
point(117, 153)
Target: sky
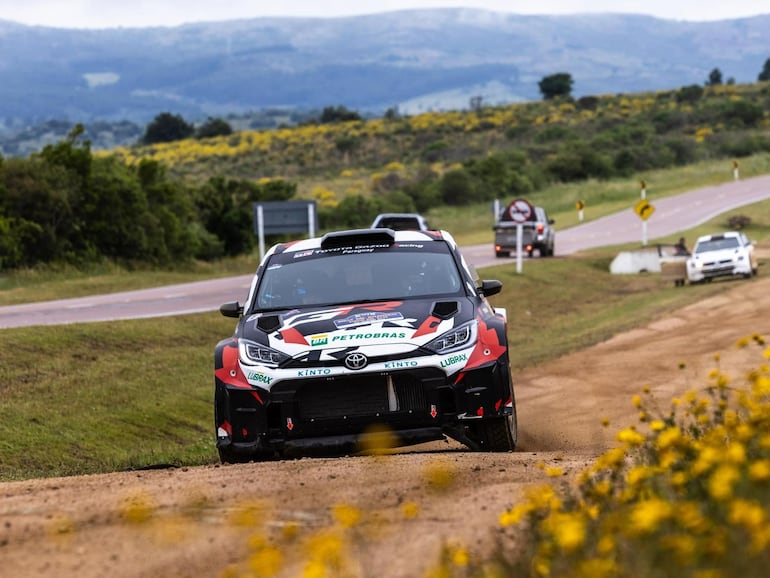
point(144, 13)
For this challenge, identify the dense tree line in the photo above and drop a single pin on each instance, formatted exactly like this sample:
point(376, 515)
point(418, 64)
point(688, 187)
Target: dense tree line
point(65, 205)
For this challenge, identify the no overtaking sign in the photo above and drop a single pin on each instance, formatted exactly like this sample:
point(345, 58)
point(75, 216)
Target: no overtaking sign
point(519, 211)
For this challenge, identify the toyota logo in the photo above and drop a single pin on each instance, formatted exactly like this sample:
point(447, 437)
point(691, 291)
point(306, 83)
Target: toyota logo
point(355, 361)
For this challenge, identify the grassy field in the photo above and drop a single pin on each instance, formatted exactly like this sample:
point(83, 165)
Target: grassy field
point(89, 398)
point(470, 225)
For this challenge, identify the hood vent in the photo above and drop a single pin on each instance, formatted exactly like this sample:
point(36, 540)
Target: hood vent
point(445, 309)
point(269, 323)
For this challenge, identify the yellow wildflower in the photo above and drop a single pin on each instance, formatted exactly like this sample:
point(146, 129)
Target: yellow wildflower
point(647, 515)
point(759, 471)
point(138, 507)
point(410, 510)
point(554, 472)
point(568, 530)
point(721, 481)
point(346, 516)
point(630, 437)
point(460, 557)
point(746, 513)
point(597, 568)
point(266, 562)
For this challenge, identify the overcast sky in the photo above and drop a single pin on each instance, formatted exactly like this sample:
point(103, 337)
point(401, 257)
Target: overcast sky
point(141, 13)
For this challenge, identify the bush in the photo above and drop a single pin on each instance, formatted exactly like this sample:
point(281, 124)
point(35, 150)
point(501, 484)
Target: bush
point(689, 94)
point(683, 495)
point(738, 222)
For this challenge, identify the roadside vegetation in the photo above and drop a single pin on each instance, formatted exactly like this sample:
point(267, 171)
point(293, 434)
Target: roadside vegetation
point(685, 494)
point(100, 397)
point(167, 204)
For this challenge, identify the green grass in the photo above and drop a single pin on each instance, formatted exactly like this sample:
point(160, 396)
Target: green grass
point(100, 397)
point(45, 283)
point(472, 225)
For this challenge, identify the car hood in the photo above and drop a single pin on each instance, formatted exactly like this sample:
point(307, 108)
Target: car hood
point(382, 326)
point(720, 255)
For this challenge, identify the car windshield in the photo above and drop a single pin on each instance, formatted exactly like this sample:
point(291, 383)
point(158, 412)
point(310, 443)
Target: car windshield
point(399, 223)
point(717, 245)
point(295, 279)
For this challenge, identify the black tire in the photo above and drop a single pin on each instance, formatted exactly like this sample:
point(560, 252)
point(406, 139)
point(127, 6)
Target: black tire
point(228, 457)
point(498, 434)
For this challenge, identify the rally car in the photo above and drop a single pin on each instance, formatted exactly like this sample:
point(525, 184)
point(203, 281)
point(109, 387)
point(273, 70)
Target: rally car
point(359, 332)
point(728, 254)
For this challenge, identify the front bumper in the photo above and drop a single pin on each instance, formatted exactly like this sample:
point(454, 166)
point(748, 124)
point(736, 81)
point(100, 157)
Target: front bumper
point(336, 414)
point(714, 269)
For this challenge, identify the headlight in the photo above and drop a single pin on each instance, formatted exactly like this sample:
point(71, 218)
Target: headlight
point(459, 338)
point(254, 353)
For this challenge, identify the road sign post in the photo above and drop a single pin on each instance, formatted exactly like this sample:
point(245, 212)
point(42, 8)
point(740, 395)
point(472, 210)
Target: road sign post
point(284, 217)
point(644, 210)
point(519, 211)
point(580, 205)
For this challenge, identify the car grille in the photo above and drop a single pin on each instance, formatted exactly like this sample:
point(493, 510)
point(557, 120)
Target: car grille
point(715, 268)
point(360, 395)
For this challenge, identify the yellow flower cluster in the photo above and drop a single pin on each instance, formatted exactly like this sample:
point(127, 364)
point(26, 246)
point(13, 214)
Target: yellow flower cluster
point(688, 496)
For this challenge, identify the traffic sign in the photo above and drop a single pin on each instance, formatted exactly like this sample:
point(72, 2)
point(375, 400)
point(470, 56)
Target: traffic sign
point(519, 211)
point(644, 210)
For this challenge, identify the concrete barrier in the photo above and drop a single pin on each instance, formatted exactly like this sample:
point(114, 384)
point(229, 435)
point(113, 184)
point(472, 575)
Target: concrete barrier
point(641, 261)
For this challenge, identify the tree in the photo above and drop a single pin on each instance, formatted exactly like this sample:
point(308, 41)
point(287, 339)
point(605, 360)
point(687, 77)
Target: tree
point(167, 127)
point(765, 74)
point(331, 114)
point(559, 84)
point(213, 127)
point(715, 78)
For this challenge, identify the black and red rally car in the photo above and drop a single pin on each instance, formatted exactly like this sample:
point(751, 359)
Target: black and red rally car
point(356, 331)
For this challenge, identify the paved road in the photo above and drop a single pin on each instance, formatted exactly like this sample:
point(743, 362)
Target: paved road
point(672, 214)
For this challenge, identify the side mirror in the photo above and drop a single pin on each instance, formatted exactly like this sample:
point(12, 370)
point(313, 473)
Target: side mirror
point(231, 309)
point(490, 287)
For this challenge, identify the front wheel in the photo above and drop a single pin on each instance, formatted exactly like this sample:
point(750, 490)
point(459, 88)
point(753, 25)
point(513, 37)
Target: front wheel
point(498, 434)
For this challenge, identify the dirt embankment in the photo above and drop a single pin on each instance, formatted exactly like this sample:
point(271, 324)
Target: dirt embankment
point(195, 522)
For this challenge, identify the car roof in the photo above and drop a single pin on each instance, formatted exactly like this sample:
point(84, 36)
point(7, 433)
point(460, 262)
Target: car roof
point(400, 215)
point(352, 237)
point(718, 236)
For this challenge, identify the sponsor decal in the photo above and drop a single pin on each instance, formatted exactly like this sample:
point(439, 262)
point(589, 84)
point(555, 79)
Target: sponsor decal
point(384, 335)
point(400, 364)
point(314, 372)
point(366, 318)
point(453, 359)
point(320, 339)
point(303, 253)
point(259, 377)
point(433, 411)
point(289, 424)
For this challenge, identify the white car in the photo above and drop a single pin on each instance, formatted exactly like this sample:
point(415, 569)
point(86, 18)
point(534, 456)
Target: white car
point(400, 222)
point(723, 255)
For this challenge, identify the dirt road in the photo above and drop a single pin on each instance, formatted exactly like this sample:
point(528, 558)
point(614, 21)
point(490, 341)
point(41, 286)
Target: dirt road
point(198, 522)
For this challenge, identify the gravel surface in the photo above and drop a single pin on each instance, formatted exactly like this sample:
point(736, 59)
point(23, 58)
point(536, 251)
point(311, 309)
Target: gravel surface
point(201, 522)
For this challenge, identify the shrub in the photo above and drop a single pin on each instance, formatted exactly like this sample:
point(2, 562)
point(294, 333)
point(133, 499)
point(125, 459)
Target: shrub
point(738, 222)
point(684, 495)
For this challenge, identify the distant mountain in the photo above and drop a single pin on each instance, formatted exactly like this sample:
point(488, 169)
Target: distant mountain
point(415, 60)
